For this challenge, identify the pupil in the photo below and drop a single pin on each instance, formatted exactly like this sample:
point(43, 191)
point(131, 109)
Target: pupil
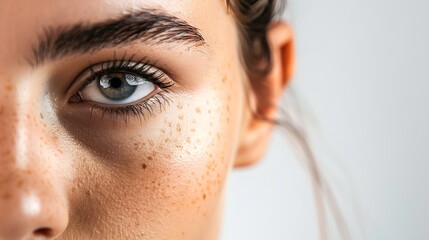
point(115, 82)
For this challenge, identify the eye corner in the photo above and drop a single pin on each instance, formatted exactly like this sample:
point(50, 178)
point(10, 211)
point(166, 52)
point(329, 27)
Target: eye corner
point(75, 98)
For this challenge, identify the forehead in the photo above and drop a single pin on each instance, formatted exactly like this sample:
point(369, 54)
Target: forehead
point(22, 21)
point(17, 11)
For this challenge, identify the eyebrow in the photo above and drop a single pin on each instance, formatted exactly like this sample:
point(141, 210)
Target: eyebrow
point(150, 26)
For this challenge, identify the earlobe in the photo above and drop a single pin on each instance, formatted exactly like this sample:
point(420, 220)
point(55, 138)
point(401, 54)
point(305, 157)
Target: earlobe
point(265, 95)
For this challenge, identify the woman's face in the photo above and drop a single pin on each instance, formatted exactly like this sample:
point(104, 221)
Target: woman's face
point(119, 119)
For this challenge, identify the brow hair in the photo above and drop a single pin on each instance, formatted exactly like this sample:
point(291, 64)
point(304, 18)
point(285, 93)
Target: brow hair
point(151, 26)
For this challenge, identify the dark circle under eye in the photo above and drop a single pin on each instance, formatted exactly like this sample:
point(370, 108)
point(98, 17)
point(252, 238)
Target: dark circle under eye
point(115, 86)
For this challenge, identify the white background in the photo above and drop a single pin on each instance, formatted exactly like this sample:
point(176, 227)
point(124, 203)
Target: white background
point(363, 72)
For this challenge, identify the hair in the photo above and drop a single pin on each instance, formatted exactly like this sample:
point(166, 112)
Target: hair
point(253, 20)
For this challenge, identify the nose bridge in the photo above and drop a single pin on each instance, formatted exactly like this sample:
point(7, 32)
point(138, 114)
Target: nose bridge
point(31, 204)
point(17, 125)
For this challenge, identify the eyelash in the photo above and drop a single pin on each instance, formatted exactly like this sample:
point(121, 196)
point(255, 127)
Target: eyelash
point(140, 68)
point(137, 110)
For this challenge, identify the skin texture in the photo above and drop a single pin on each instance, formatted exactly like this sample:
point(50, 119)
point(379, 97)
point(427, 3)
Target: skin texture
point(71, 173)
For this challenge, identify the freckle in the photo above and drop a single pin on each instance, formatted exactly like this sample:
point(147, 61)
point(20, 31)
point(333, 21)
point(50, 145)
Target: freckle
point(149, 158)
point(41, 115)
point(204, 196)
point(224, 79)
point(20, 183)
point(178, 128)
point(8, 87)
point(144, 166)
point(198, 110)
point(6, 196)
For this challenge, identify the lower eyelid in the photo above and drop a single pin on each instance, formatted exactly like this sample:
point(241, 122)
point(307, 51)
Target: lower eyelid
point(140, 110)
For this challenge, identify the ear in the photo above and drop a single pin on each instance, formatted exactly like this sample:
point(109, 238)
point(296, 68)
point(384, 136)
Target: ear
point(265, 94)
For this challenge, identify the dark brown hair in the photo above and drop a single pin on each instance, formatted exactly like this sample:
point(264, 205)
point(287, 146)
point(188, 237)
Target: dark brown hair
point(253, 20)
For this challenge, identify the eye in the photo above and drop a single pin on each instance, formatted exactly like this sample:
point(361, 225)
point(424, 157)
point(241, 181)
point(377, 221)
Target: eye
point(120, 82)
point(118, 88)
point(122, 88)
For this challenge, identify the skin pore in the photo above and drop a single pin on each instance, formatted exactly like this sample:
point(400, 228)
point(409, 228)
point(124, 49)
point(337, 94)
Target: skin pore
point(77, 168)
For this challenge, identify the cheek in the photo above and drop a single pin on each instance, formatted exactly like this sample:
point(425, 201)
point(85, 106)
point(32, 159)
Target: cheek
point(190, 154)
point(169, 173)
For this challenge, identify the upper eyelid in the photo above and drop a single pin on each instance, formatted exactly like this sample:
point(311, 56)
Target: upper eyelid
point(126, 65)
point(116, 65)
